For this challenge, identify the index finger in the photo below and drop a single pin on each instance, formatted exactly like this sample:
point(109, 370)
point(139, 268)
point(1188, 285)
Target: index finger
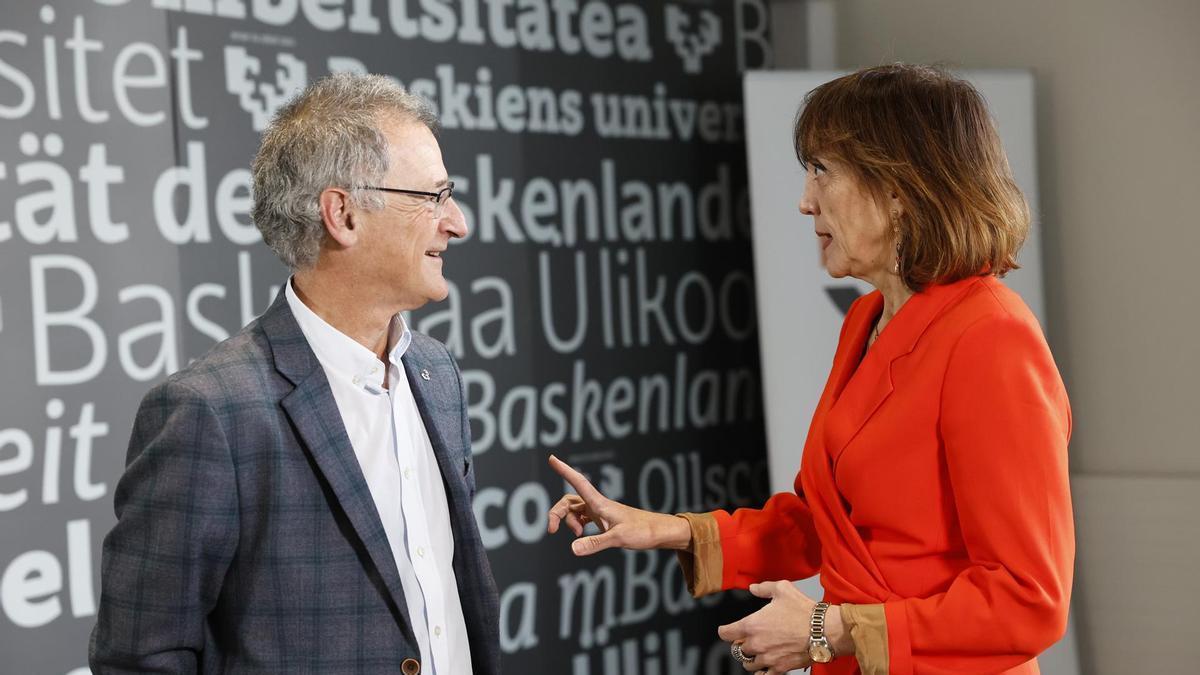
point(576, 480)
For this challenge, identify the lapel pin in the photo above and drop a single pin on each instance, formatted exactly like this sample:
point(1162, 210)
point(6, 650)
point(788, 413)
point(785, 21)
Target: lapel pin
point(425, 374)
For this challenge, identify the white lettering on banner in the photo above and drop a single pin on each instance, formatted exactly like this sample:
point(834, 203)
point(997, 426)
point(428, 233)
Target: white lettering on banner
point(232, 203)
point(16, 464)
point(481, 105)
point(123, 81)
point(753, 33)
point(682, 483)
point(513, 108)
point(191, 179)
point(139, 68)
point(183, 60)
point(525, 515)
point(616, 211)
point(446, 321)
point(593, 596)
point(58, 198)
point(632, 299)
point(641, 656)
point(199, 321)
point(34, 574)
point(636, 116)
point(80, 45)
point(53, 106)
point(98, 175)
point(84, 432)
point(32, 582)
point(519, 598)
point(598, 586)
point(167, 359)
point(76, 317)
point(656, 402)
point(17, 78)
point(593, 27)
point(163, 327)
point(45, 213)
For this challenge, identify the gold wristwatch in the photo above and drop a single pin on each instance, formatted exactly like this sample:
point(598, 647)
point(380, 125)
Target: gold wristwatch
point(819, 649)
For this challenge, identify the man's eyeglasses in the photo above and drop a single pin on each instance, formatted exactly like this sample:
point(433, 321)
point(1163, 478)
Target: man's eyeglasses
point(437, 199)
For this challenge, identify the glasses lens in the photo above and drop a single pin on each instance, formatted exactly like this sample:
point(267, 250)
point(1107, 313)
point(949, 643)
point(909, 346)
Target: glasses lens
point(444, 195)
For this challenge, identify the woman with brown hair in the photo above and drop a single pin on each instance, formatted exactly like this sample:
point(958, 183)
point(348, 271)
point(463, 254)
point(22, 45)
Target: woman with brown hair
point(932, 496)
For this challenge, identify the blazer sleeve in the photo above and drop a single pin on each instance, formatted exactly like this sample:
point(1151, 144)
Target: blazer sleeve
point(734, 550)
point(177, 522)
point(1005, 424)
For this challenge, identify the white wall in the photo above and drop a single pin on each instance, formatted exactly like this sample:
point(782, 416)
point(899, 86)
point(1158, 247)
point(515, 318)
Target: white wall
point(1118, 109)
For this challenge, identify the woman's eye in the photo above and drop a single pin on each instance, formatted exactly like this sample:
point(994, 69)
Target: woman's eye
point(818, 168)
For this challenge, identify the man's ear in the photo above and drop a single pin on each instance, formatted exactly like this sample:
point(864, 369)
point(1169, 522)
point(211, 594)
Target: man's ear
point(336, 215)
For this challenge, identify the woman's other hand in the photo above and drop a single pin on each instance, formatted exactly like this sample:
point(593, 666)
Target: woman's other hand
point(777, 635)
point(620, 526)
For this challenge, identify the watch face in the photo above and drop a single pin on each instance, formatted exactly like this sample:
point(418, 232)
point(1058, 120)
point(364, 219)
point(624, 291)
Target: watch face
point(820, 654)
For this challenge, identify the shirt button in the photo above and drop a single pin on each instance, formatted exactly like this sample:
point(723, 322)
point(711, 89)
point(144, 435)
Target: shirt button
point(437, 631)
point(420, 551)
point(407, 472)
point(357, 379)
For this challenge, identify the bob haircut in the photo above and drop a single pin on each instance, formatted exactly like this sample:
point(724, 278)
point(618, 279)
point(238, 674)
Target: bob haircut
point(926, 136)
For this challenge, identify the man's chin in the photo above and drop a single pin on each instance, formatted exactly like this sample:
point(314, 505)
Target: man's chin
point(439, 292)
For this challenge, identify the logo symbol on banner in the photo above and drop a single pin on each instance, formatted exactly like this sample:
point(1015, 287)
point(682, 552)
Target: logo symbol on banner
point(612, 481)
point(609, 479)
point(842, 297)
point(693, 45)
point(262, 99)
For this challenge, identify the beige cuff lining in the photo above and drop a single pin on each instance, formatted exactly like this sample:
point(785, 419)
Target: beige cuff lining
point(701, 562)
point(868, 627)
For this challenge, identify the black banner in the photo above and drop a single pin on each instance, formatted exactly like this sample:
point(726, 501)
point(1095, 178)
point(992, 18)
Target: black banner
point(602, 307)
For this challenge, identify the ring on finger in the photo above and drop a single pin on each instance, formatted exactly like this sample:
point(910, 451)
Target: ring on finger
point(738, 654)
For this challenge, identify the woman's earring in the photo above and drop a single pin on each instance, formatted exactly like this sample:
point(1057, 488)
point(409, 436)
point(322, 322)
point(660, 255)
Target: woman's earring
point(896, 229)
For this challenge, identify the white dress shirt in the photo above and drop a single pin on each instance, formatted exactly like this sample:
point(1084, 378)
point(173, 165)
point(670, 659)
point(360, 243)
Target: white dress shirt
point(393, 449)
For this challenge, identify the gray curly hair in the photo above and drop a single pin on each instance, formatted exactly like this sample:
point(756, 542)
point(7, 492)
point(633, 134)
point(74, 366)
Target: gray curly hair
point(327, 136)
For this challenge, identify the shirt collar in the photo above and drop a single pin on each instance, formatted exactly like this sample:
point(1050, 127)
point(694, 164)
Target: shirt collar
point(342, 354)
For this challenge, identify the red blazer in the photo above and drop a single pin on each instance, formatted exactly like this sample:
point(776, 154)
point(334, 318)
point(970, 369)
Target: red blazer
point(934, 481)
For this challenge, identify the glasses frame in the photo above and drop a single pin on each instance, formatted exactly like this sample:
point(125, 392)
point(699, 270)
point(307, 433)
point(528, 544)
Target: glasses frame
point(440, 197)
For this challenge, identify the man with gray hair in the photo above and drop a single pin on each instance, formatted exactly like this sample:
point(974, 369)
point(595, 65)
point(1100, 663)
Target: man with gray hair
point(299, 498)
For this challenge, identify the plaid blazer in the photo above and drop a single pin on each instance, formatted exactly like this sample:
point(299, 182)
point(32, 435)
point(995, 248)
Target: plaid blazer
point(246, 538)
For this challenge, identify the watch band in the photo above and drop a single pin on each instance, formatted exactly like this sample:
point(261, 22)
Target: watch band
point(819, 649)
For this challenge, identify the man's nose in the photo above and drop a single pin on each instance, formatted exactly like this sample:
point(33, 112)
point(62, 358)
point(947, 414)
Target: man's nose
point(453, 220)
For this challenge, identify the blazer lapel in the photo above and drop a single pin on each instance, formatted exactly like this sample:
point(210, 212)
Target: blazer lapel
point(869, 385)
point(314, 413)
point(418, 369)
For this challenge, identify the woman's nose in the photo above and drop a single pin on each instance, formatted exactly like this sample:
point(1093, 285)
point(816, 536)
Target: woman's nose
point(808, 205)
